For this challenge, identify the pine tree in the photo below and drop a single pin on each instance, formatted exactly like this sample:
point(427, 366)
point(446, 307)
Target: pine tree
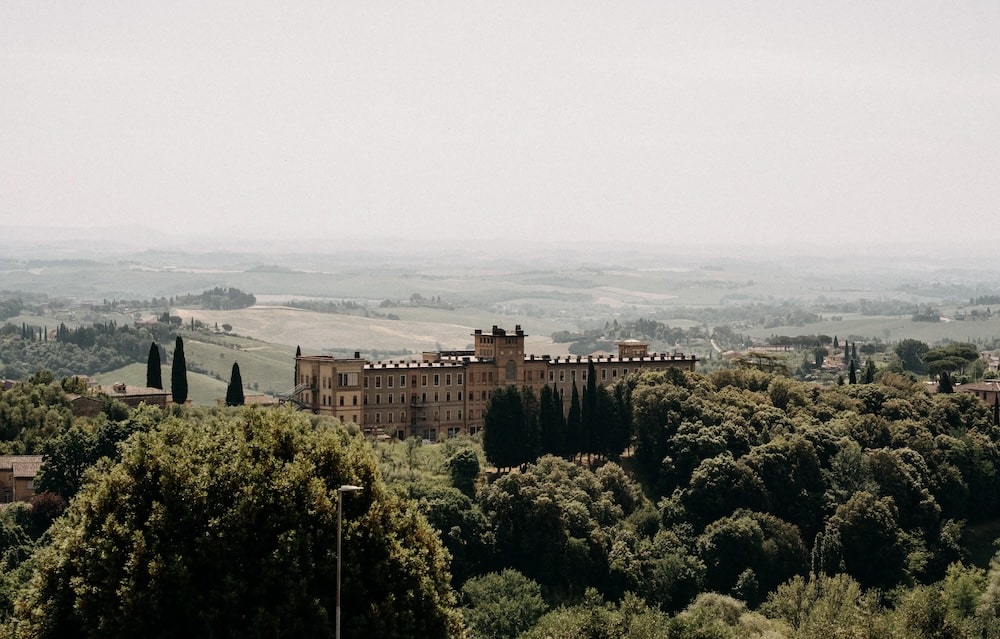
point(154, 376)
point(234, 393)
point(178, 374)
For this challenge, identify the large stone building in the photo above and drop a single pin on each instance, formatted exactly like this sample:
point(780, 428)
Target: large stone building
point(445, 393)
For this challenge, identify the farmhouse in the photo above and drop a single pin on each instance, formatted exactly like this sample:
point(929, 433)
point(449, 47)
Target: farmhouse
point(17, 476)
point(133, 396)
point(445, 393)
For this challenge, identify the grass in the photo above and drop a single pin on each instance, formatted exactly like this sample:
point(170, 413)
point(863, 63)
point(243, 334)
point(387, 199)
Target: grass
point(202, 390)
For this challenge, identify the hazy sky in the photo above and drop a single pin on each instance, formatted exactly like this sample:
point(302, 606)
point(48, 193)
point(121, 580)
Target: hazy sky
point(695, 122)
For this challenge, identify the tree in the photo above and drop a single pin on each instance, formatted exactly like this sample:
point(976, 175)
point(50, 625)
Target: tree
point(234, 392)
point(502, 605)
point(178, 374)
point(574, 424)
point(819, 354)
point(226, 526)
point(154, 376)
point(852, 373)
point(910, 353)
point(944, 383)
point(869, 371)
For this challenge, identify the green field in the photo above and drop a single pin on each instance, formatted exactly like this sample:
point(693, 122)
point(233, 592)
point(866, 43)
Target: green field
point(202, 390)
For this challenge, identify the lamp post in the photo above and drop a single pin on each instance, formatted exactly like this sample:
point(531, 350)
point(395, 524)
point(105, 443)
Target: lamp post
point(346, 488)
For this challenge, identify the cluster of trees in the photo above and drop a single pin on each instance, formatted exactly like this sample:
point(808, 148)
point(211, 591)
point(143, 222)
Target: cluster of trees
point(766, 491)
point(218, 299)
point(212, 523)
point(519, 427)
point(10, 308)
point(86, 350)
point(769, 508)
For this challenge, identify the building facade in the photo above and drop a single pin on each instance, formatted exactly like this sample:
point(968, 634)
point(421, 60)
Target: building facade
point(445, 392)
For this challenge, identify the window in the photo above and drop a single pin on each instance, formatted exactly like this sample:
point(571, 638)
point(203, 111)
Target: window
point(447, 379)
point(389, 380)
point(572, 375)
point(584, 374)
point(484, 395)
point(378, 398)
point(402, 415)
point(614, 373)
point(402, 381)
point(459, 395)
point(378, 381)
point(435, 396)
point(460, 413)
point(342, 400)
point(541, 375)
point(378, 418)
point(562, 376)
point(453, 431)
point(604, 374)
point(349, 379)
point(437, 379)
point(447, 415)
point(447, 396)
point(354, 400)
point(389, 417)
point(423, 380)
point(552, 376)
point(390, 395)
point(511, 371)
point(461, 378)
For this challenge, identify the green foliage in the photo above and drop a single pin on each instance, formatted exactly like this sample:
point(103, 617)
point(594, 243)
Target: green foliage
point(501, 605)
point(910, 353)
point(234, 391)
point(224, 526)
point(463, 468)
point(31, 413)
point(154, 375)
point(178, 374)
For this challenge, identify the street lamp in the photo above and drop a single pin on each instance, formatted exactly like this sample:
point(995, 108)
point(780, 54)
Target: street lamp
point(346, 488)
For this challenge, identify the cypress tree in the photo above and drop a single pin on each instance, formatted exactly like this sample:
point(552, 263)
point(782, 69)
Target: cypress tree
point(154, 377)
point(852, 374)
point(574, 423)
point(590, 439)
point(295, 369)
point(944, 383)
point(178, 374)
point(234, 392)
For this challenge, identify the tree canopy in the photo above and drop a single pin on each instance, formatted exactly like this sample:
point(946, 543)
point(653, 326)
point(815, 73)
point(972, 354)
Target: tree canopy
point(225, 526)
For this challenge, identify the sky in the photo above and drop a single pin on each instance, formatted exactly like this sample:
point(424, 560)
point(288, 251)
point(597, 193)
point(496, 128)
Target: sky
point(820, 124)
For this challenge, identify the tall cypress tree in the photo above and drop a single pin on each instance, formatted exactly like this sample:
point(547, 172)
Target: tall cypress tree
point(295, 369)
point(589, 421)
point(178, 373)
point(574, 423)
point(234, 392)
point(154, 377)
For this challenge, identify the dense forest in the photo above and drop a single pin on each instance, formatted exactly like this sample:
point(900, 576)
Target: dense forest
point(83, 350)
point(743, 504)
